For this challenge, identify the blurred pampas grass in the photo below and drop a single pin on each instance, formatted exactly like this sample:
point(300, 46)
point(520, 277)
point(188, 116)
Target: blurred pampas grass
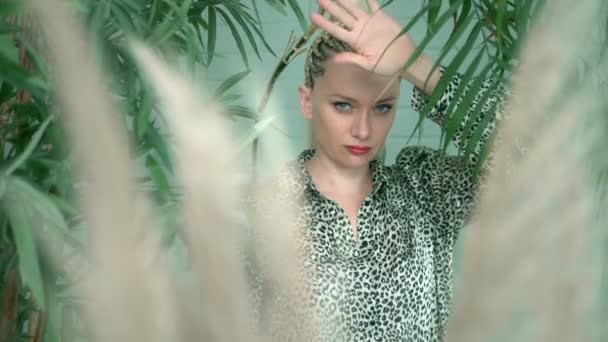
point(532, 258)
point(535, 251)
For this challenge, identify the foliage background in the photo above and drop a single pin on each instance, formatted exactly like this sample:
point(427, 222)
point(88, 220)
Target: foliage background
point(217, 42)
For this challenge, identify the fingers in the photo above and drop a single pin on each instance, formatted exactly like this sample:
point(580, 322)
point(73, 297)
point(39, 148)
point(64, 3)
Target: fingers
point(332, 28)
point(352, 8)
point(373, 5)
point(338, 12)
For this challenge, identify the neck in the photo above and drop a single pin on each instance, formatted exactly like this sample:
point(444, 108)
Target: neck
point(330, 178)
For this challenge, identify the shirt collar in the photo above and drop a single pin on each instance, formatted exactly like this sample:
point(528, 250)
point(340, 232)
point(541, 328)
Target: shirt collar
point(303, 180)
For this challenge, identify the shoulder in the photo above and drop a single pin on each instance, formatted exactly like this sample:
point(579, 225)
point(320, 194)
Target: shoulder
point(422, 159)
point(422, 165)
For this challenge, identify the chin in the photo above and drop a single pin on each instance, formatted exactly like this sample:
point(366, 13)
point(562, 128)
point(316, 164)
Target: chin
point(358, 161)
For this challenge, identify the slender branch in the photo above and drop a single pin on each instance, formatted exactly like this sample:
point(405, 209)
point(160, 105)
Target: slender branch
point(10, 301)
point(294, 49)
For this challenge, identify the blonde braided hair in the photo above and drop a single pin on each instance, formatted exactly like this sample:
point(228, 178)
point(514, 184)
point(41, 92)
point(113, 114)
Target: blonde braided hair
point(324, 47)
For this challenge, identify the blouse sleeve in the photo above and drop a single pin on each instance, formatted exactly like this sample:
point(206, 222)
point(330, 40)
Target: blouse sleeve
point(449, 182)
point(490, 100)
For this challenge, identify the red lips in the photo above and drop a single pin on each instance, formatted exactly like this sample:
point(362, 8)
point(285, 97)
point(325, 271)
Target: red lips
point(358, 150)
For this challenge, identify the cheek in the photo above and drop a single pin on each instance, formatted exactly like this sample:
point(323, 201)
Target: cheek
point(384, 123)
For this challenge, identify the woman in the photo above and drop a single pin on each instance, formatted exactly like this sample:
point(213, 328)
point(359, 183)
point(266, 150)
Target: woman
point(379, 239)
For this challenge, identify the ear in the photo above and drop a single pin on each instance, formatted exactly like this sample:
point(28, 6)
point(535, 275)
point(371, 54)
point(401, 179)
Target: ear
point(305, 94)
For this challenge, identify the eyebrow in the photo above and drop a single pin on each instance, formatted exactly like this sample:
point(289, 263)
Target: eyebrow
point(350, 99)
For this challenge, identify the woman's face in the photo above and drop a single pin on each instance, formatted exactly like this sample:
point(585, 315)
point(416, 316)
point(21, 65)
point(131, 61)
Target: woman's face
point(349, 113)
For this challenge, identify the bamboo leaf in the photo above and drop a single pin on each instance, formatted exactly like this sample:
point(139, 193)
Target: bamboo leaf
point(153, 11)
point(143, 115)
point(298, 12)
point(452, 70)
point(20, 78)
point(444, 80)
point(158, 178)
point(432, 13)
point(157, 142)
point(257, 14)
point(31, 146)
point(427, 39)
point(475, 137)
point(35, 58)
point(211, 33)
point(500, 17)
point(241, 111)
point(452, 41)
point(42, 211)
point(262, 38)
point(464, 106)
point(277, 5)
point(245, 28)
point(123, 18)
point(163, 31)
point(464, 13)
point(230, 82)
point(9, 28)
point(10, 8)
point(236, 35)
point(27, 253)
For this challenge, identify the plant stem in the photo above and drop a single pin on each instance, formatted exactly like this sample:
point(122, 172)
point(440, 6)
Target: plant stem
point(9, 306)
point(294, 48)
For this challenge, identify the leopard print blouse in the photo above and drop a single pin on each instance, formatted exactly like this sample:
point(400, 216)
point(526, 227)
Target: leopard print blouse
point(394, 283)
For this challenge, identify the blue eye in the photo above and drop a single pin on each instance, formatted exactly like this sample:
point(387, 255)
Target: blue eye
point(342, 106)
point(384, 108)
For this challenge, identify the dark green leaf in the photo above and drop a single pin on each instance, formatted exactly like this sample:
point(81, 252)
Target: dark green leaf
point(20, 222)
point(236, 35)
point(153, 12)
point(452, 41)
point(245, 28)
point(279, 6)
point(453, 69)
point(298, 12)
point(20, 78)
point(9, 28)
point(464, 13)
point(476, 136)
point(230, 82)
point(242, 111)
point(464, 106)
point(163, 31)
point(143, 114)
point(500, 17)
point(123, 18)
point(14, 165)
point(158, 142)
point(257, 14)
point(42, 211)
point(158, 178)
point(432, 13)
point(10, 8)
point(211, 34)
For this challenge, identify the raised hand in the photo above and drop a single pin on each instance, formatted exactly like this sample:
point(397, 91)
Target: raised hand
point(367, 34)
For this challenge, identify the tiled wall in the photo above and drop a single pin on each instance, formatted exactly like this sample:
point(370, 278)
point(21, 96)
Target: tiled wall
point(291, 129)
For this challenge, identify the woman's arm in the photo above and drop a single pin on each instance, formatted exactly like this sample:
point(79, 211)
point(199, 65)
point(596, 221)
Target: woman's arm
point(486, 108)
point(422, 75)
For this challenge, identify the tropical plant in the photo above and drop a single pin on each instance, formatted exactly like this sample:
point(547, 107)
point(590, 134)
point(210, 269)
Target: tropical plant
point(38, 195)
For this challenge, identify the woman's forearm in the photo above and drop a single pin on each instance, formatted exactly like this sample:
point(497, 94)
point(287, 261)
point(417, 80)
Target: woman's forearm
point(418, 74)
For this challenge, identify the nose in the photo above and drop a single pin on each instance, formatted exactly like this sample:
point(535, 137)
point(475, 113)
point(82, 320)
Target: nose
point(361, 126)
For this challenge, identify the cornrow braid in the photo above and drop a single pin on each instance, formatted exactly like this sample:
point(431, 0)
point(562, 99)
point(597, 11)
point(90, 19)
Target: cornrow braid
point(321, 50)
